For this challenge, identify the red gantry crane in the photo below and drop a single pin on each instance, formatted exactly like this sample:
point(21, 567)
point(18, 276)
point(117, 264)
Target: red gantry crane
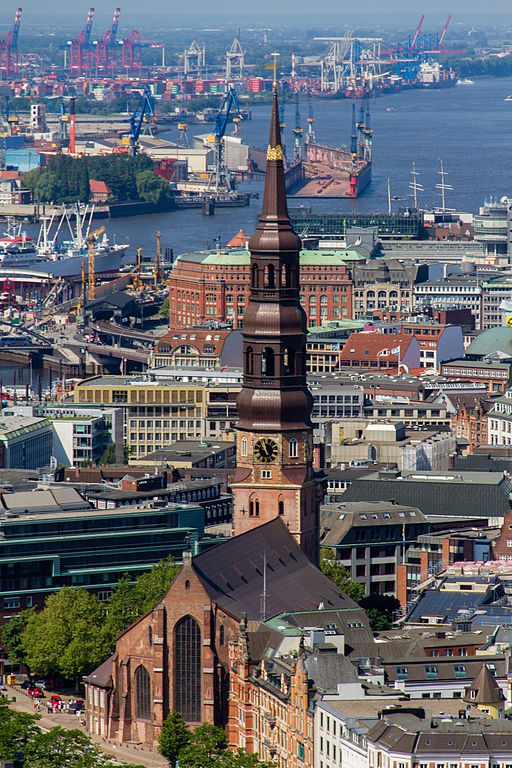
point(80, 48)
point(106, 48)
point(9, 48)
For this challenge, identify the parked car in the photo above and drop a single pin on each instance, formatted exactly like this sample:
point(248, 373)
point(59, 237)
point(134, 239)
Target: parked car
point(35, 692)
point(55, 700)
point(41, 684)
point(26, 684)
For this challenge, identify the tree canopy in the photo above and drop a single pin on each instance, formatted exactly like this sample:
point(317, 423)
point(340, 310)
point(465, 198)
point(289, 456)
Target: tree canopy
point(57, 748)
point(339, 575)
point(65, 179)
point(204, 747)
point(67, 637)
point(75, 632)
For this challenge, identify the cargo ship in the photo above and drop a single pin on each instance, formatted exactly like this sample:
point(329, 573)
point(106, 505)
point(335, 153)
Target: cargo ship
point(334, 172)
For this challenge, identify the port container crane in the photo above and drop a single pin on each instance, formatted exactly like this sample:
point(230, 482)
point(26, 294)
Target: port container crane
point(235, 58)
point(218, 180)
point(106, 48)
point(80, 48)
point(9, 48)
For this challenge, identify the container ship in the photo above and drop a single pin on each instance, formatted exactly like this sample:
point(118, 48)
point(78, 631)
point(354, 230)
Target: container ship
point(334, 172)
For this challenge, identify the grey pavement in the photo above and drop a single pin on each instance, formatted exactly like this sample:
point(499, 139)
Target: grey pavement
point(135, 754)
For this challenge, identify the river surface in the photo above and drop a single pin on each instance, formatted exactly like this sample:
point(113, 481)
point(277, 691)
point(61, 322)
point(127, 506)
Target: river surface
point(469, 127)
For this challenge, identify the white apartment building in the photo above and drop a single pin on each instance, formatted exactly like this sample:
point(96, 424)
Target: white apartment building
point(452, 293)
point(499, 421)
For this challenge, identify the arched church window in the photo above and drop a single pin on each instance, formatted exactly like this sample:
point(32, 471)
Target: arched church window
point(187, 666)
point(255, 276)
point(270, 276)
point(143, 692)
point(267, 362)
point(280, 507)
point(243, 446)
point(289, 361)
point(249, 361)
point(293, 447)
point(221, 635)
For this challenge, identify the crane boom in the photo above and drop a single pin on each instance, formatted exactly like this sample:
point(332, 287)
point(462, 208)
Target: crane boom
point(13, 35)
point(444, 32)
point(417, 32)
point(113, 30)
point(145, 106)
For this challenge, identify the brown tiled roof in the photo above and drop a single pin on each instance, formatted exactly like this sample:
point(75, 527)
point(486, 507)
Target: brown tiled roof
point(240, 239)
point(367, 345)
point(102, 675)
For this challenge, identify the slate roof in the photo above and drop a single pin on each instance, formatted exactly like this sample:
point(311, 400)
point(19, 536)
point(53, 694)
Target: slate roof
point(232, 573)
point(446, 604)
point(484, 689)
point(444, 666)
point(328, 670)
point(102, 675)
point(466, 494)
point(407, 733)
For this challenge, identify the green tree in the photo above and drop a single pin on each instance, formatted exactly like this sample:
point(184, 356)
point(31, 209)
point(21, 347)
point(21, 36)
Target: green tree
point(62, 748)
point(152, 188)
point(109, 455)
point(205, 747)
point(66, 637)
point(339, 575)
point(381, 610)
point(151, 586)
point(174, 736)
point(17, 729)
point(121, 612)
point(164, 309)
point(12, 633)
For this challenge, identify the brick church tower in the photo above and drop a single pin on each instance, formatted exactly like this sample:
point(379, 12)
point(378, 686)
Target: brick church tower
point(274, 476)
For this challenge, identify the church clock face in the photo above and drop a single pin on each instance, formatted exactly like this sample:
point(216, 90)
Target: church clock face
point(266, 450)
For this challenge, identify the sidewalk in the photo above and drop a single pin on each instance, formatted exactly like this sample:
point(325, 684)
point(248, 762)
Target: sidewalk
point(136, 755)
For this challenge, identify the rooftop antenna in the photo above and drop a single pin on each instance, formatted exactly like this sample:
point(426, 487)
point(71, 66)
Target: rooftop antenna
point(415, 185)
point(264, 593)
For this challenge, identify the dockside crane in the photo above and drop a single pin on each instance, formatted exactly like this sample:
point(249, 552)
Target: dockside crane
point(218, 180)
point(310, 137)
point(106, 48)
point(235, 58)
point(9, 48)
point(141, 120)
point(91, 273)
point(80, 48)
point(132, 48)
point(297, 132)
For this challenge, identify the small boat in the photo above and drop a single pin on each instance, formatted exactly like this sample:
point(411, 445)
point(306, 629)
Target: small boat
point(465, 81)
point(509, 97)
point(390, 109)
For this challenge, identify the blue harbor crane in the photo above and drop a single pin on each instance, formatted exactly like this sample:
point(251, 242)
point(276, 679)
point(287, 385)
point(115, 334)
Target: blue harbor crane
point(141, 119)
point(218, 180)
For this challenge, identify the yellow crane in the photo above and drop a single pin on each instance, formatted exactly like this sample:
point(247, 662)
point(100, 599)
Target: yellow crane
point(137, 282)
point(157, 260)
point(91, 275)
point(82, 291)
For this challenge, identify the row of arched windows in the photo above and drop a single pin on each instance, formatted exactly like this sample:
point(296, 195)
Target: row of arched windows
point(293, 447)
point(268, 364)
point(187, 672)
point(254, 507)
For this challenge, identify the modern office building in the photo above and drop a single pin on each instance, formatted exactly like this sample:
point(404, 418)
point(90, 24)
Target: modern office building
point(25, 442)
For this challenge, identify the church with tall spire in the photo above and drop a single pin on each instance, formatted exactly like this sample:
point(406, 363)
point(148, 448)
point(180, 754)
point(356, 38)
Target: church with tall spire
point(274, 476)
point(176, 656)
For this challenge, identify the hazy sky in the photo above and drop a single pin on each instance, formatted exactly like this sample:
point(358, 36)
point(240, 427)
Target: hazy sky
point(32, 8)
